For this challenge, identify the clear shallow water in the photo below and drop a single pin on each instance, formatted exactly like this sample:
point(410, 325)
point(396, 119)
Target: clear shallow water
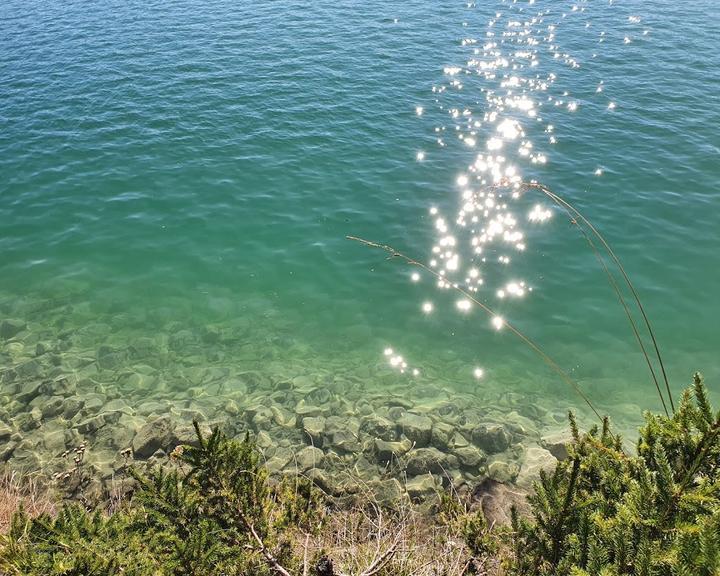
point(172, 165)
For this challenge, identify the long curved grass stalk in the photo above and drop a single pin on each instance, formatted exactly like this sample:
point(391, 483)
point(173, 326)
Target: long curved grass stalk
point(626, 309)
point(576, 215)
point(618, 293)
point(527, 340)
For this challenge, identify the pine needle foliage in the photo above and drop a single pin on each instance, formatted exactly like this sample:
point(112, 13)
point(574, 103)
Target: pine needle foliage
point(604, 512)
point(214, 512)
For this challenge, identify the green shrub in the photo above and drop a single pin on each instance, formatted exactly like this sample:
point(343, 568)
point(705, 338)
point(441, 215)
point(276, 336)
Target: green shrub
point(604, 512)
point(214, 513)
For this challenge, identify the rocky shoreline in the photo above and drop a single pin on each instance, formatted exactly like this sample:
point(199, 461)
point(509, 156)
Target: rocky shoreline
point(57, 392)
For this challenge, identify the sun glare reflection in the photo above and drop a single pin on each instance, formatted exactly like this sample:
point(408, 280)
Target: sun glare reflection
point(501, 106)
point(398, 363)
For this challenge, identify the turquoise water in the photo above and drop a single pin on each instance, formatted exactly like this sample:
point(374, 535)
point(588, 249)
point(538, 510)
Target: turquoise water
point(174, 166)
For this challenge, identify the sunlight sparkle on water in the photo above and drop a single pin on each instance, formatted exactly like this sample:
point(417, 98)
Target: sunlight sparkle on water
point(516, 64)
point(539, 214)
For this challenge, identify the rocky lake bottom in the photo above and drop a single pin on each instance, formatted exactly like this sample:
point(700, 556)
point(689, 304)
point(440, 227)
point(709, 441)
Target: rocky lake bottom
point(345, 423)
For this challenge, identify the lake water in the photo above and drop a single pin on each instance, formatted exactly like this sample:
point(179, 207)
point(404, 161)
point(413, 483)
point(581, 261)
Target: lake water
point(180, 177)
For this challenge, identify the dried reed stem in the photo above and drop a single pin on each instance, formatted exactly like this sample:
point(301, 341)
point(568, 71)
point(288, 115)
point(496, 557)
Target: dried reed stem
point(576, 218)
point(527, 340)
point(576, 215)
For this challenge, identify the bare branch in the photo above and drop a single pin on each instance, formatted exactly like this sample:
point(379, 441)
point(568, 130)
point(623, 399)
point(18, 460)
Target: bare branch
point(381, 560)
point(306, 566)
point(269, 558)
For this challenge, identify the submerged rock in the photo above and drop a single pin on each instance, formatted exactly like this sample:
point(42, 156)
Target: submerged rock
point(5, 432)
point(491, 438)
point(15, 349)
point(442, 435)
point(153, 436)
point(314, 428)
point(536, 459)
point(470, 457)
point(263, 440)
point(109, 359)
point(557, 444)
point(143, 347)
point(344, 441)
point(63, 385)
point(502, 471)
point(25, 457)
point(147, 408)
point(71, 407)
point(424, 460)
point(52, 407)
point(283, 417)
point(322, 480)
point(417, 428)
point(30, 369)
point(303, 409)
point(119, 405)
point(181, 339)
point(388, 451)
point(11, 327)
point(28, 391)
point(378, 427)
point(91, 425)
point(309, 457)
point(7, 449)
point(422, 486)
point(93, 402)
point(388, 491)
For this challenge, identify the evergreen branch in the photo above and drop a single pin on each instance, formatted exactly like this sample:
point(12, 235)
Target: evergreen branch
point(560, 523)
